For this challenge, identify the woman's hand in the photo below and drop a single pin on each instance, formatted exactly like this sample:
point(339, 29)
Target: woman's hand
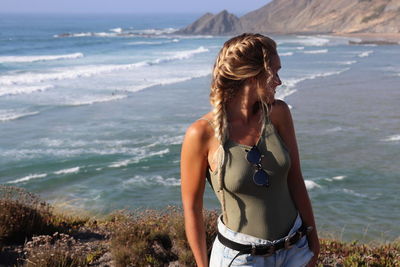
point(314, 247)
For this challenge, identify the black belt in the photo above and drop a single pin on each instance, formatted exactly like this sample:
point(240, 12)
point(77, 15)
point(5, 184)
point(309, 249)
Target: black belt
point(265, 250)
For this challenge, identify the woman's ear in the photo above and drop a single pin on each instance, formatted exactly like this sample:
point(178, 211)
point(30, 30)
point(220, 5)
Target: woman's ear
point(251, 81)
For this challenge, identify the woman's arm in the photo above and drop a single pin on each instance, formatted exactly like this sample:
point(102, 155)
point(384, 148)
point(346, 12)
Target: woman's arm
point(283, 121)
point(193, 168)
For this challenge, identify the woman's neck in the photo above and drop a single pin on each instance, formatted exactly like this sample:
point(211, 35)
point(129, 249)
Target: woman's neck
point(244, 106)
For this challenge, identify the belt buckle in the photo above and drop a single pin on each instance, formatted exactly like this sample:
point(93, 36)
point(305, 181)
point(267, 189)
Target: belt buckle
point(270, 250)
point(253, 249)
point(287, 242)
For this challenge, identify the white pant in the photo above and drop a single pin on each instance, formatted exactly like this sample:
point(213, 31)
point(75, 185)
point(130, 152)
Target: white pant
point(297, 256)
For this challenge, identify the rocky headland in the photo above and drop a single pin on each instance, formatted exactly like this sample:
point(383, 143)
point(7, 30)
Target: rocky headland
point(376, 19)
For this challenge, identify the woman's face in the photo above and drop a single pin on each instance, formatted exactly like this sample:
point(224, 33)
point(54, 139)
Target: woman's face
point(267, 92)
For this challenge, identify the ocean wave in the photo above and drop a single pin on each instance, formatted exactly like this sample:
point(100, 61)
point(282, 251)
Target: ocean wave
point(143, 155)
point(339, 177)
point(153, 42)
point(59, 143)
point(91, 70)
point(325, 74)
point(334, 129)
point(28, 178)
point(311, 184)
point(119, 32)
point(288, 85)
point(13, 114)
point(67, 73)
point(165, 81)
point(18, 90)
point(139, 180)
point(167, 140)
point(306, 41)
point(184, 54)
point(392, 138)
point(31, 153)
point(366, 53)
point(90, 100)
point(353, 193)
point(156, 31)
point(286, 54)
point(68, 171)
point(285, 90)
point(350, 62)
point(322, 51)
point(19, 59)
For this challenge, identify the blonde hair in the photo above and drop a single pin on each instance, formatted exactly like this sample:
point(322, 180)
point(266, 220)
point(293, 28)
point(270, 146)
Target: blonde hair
point(242, 57)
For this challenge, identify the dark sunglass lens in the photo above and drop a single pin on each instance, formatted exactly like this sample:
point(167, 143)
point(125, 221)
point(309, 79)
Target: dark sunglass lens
point(261, 178)
point(254, 155)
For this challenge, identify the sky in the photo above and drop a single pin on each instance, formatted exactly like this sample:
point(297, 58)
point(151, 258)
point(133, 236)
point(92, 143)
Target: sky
point(129, 6)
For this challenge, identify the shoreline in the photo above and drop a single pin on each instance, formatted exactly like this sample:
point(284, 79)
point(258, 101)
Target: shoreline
point(372, 38)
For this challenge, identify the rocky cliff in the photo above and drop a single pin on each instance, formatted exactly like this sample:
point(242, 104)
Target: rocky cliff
point(222, 23)
point(306, 16)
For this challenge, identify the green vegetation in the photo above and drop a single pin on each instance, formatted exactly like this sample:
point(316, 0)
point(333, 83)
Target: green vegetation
point(136, 238)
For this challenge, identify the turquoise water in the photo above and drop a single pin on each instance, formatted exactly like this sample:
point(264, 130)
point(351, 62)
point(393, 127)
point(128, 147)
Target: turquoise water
point(93, 110)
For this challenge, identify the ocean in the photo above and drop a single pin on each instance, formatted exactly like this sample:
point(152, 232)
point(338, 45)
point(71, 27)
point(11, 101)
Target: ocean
point(93, 110)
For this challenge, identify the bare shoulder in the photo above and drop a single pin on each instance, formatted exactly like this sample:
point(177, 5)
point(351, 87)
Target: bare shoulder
point(201, 130)
point(280, 113)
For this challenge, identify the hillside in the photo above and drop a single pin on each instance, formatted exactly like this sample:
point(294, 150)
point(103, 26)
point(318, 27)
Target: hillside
point(306, 16)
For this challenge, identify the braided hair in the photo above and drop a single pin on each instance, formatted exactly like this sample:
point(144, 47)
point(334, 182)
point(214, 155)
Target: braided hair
point(242, 57)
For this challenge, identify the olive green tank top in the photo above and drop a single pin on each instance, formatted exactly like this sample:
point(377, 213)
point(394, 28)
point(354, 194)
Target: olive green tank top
point(263, 212)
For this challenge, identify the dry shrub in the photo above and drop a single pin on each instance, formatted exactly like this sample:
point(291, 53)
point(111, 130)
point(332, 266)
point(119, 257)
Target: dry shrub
point(59, 250)
point(155, 238)
point(336, 253)
point(22, 215)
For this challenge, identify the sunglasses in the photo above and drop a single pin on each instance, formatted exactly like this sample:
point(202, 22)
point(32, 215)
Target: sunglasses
point(260, 177)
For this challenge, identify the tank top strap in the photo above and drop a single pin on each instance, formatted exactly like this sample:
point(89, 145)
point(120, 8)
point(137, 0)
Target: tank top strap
point(266, 130)
point(267, 118)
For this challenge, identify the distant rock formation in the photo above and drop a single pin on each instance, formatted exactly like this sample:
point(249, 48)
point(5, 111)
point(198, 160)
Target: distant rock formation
point(222, 23)
point(306, 16)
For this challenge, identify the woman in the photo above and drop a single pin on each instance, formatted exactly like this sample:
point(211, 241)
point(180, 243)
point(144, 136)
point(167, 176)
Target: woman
point(247, 149)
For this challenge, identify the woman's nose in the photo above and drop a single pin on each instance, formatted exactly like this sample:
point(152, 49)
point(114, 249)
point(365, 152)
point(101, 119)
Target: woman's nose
point(278, 80)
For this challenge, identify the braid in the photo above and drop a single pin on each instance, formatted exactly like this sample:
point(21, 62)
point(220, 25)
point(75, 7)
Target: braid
point(221, 133)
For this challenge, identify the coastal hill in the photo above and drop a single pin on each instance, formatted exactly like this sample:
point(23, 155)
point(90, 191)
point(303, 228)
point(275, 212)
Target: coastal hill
point(221, 23)
point(306, 16)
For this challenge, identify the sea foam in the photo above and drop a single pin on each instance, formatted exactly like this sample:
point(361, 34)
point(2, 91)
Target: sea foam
point(14, 114)
point(153, 42)
point(91, 70)
point(338, 178)
point(322, 51)
point(306, 41)
point(119, 32)
point(353, 193)
point(19, 59)
point(392, 138)
point(68, 171)
point(141, 155)
point(18, 90)
point(139, 180)
point(28, 178)
point(365, 54)
point(90, 100)
point(286, 54)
